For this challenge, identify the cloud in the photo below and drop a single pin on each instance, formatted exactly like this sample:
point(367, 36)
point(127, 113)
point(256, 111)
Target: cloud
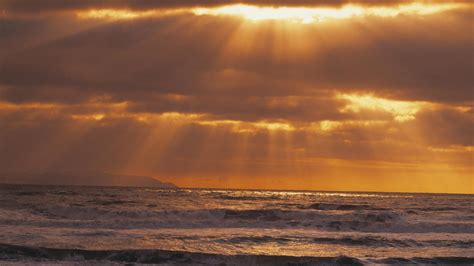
point(31, 132)
point(32, 6)
point(208, 56)
point(446, 127)
point(184, 95)
point(48, 138)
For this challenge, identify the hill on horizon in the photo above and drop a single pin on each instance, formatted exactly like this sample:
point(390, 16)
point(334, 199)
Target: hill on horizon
point(82, 179)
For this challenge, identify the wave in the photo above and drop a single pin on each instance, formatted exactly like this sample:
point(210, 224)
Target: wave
point(425, 261)
point(246, 198)
point(367, 241)
point(79, 211)
point(15, 253)
point(112, 202)
point(434, 209)
point(387, 242)
point(117, 214)
point(41, 254)
point(30, 193)
point(343, 207)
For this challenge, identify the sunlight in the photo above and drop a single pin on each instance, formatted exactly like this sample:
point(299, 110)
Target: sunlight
point(124, 14)
point(114, 14)
point(274, 126)
point(11, 106)
point(401, 110)
point(306, 15)
point(93, 117)
point(303, 15)
point(246, 127)
point(254, 13)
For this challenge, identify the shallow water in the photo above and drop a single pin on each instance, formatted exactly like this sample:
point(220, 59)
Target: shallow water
point(137, 224)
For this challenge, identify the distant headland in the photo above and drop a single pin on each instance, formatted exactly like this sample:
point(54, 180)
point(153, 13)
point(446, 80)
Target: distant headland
point(82, 179)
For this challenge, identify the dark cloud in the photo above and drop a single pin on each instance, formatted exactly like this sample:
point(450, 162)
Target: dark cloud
point(134, 60)
point(445, 127)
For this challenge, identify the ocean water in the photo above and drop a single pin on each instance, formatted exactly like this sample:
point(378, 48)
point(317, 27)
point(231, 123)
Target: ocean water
point(105, 225)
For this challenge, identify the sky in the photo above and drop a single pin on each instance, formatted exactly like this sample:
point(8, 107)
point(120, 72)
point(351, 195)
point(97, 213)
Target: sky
point(357, 95)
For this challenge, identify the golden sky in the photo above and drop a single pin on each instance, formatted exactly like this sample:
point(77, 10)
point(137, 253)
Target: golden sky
point(327, 95)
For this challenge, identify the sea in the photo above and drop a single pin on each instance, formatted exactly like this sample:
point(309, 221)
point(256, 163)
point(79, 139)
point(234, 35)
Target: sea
point(119, 225)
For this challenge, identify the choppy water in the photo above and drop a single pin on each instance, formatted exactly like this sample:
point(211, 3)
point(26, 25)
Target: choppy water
point(74, 224)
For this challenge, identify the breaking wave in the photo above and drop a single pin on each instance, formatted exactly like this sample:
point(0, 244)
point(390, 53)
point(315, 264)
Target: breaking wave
point(125, 215)
point(15, 253)
point(42, 254)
